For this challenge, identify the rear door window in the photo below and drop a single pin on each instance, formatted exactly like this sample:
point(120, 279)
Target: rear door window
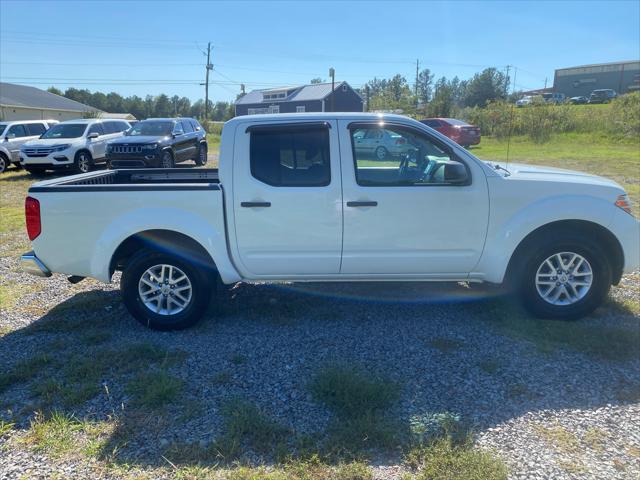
point(187, 126)
point(36, 128)
point(97, 128)
point(110, 127)
point(291, 157)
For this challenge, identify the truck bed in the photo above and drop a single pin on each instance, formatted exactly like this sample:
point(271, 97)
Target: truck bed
point(133, 179)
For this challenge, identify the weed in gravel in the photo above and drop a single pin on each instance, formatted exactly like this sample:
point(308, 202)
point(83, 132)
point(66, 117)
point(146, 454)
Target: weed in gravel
point(311, 469)
point(559, 437)
point(519, 390)
point(11, 292)
point(246, 422)
point(609, 342)
point(443, 460)
point(5, 427)
point(489, 365)
point(24, 370)
point(446, 345)
point(222, 378)
point(154, 389)
point(596, 438)
point(238, 359)
point(4, 330)
point(58, 434)
point(359, 402)
point(351, 392)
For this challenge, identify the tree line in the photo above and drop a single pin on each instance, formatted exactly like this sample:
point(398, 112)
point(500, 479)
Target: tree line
point(426, 96)
point(150, 106)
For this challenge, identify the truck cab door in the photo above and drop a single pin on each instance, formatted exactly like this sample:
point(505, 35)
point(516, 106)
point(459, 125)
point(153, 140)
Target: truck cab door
point(287, 200)
point(420, 211)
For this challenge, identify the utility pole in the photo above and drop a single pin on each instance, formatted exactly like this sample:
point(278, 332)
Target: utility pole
point(332, 74)
point(545, 83)
point(417, 75)
point(366, 90)
point(206, 84)
point(506, 84)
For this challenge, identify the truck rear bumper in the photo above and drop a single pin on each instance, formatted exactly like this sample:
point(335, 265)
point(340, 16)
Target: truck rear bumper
point(29, 263)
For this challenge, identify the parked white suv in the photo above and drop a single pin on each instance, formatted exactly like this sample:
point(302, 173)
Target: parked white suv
point(76, 144)
point(14, 134)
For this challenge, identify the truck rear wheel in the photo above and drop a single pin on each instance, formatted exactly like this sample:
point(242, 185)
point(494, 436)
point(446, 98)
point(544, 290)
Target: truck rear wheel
point(565, 277)
point(164, 292)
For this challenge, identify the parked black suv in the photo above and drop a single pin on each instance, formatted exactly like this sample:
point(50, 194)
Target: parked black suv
point(159, 142)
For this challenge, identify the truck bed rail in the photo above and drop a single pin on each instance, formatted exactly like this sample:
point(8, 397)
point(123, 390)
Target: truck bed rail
point(134, 179)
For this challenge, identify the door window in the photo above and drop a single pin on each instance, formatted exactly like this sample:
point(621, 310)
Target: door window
point(110, 127)
point(187, 127)
point(96, 128)
point(36, 129)
point(402, 156)
point(18, 131)
point(291, 157)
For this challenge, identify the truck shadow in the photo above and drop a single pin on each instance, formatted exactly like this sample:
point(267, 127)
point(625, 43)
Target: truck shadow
point(446, 349)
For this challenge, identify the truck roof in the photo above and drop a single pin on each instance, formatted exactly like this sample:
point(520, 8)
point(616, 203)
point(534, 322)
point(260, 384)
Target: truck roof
point(322, 116)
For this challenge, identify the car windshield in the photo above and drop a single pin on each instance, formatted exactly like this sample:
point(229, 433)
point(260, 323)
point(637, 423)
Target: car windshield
point(154, 129)
point(2, 127)
point(65, 130)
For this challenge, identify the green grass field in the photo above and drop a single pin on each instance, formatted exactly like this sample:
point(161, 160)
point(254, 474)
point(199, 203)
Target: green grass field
point(599, 155)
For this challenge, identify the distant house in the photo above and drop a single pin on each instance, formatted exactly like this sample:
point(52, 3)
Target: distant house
point(119, 116)
point(20, 102)
point(317, 97)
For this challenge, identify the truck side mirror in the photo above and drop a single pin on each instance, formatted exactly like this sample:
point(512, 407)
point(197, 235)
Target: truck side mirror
point(455, 173)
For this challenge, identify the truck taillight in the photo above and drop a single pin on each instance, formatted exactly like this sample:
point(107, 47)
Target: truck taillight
point(32, 215)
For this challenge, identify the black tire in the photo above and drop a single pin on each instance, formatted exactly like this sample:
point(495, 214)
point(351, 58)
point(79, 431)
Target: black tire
point(83, 162)
point(4, 162)
point(166, 159)
point(202, 290)
point(545, 248)
point(381, 153)
point(201, 158)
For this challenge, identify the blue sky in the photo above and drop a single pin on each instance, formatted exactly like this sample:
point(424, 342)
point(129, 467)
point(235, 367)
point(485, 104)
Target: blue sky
point(157, 47)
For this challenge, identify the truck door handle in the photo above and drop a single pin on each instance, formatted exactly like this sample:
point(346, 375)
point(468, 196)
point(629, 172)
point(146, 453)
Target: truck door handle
point(362, 204)
point(255, 204)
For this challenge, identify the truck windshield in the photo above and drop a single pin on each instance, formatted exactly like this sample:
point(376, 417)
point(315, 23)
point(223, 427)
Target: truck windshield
point(155, 129)
point(68, 130)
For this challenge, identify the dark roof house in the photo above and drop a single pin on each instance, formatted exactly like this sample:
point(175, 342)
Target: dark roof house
point(21, 102)
point(317, 97)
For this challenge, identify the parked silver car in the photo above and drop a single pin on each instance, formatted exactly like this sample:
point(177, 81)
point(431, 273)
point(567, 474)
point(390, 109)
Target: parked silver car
point(380, 144)
point(16, 133)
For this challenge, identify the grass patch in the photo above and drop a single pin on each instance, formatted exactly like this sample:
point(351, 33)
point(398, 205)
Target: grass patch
point(12, 292)
point(312, 469)
point(350, 392)
point(608, 342)
point(359, 402)
point(596, 438)
point(222, 378)
point(154, 389)
point(5, 427)
point(445, 460)
point(11, 219)
point(24, 370)
point(60, 434)
point(245, 422)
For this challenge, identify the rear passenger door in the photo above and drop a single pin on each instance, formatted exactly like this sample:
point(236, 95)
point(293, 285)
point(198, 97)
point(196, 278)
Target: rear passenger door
point(97, 146)
point(287, 200)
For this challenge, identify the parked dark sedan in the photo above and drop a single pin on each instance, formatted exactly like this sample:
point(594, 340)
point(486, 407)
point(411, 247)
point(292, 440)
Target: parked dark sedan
point(159, 142)
point(460, 132)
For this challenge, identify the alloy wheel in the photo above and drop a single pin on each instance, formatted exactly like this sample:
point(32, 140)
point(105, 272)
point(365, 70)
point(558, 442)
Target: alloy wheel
point(165, 289)
point(564, 278)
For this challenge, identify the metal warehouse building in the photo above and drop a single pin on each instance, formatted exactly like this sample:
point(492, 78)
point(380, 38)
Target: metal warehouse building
point(623, 77)
point(317, 97)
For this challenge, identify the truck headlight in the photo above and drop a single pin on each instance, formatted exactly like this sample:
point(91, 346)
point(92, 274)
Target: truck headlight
point(152, 146)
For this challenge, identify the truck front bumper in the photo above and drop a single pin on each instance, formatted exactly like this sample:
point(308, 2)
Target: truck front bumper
point(29, 263)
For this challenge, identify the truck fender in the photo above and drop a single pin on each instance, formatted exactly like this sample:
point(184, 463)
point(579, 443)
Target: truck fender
point(200, 229)
point(502, 240)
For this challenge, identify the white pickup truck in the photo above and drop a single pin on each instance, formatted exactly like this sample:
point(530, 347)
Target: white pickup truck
point(296, 198)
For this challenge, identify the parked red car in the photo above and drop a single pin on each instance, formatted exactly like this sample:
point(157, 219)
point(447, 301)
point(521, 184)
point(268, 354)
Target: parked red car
point(457, 130)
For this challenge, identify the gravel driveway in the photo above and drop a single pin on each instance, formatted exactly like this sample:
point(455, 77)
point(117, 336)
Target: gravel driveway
point(547, 412)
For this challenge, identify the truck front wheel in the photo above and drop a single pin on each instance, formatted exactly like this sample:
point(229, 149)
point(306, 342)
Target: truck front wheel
point(566, 277)
point(164, 292)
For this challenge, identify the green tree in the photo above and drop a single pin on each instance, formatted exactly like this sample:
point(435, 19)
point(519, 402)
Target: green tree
point(55, 91)
point(489, 85)
point(425, 80)
point(317, 80)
